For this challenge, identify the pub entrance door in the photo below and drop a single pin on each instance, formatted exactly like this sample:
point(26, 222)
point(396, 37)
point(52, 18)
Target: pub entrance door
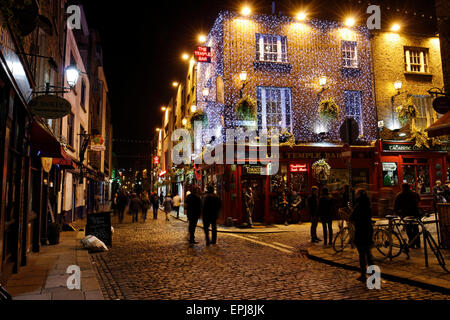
point(258, 185)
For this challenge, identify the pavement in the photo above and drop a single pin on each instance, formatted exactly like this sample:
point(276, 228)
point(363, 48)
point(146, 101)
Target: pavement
point(45, 277)
point(153, 260)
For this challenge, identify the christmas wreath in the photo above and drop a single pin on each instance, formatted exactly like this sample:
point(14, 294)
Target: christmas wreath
point(329, 110)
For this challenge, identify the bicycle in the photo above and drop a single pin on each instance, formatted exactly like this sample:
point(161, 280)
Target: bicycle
point(344, 237)
point(391, 243)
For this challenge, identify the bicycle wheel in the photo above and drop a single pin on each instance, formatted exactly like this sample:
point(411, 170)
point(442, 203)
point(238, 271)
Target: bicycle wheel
point(396, 245)
point(382, 242)
point(342, 240)
point(437, 252)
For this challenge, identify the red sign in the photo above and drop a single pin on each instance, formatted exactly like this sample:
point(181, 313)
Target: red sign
point(203, 54)
point(298, 168)
point(163, 173)
point(156, 160)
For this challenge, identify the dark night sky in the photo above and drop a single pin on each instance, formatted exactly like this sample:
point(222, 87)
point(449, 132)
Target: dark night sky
point(143, 41)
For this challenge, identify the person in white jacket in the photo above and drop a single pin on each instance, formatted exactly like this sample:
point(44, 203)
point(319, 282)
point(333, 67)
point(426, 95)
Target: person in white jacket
point(176, 205)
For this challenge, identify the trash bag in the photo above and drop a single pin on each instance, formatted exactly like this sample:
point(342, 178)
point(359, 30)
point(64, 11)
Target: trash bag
point(93, 244)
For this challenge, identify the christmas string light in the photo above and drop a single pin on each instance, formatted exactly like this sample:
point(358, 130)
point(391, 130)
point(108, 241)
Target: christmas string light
point(314, 50)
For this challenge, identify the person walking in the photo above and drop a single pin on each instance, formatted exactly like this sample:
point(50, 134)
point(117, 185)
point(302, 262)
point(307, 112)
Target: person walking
point(145, 205)
point(155, 205)
point(161, 198)
point(168, 205)
point(407, 205)
point(177, 204)
point(313, 206)
point(363, 237)
point(438, 195)
point(122, 202)
point(114, 204)
point(326, 210)
point(135, 207)
point(211, 208)
point(249, 201)
point(285, 206)
point(193, 206)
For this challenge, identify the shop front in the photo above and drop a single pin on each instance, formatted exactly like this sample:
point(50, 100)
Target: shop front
point(295, 175)
point(401, 163)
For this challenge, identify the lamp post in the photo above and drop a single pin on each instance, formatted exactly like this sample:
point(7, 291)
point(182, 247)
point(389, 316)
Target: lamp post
point(397, 86)
point(72, 75)
point(243, 77)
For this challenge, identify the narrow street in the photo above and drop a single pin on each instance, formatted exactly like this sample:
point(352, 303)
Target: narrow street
point(153, 261)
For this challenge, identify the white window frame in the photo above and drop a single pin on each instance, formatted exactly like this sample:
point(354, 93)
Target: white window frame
point(357, 97)
point(285, 95)
point(271, 48)
point(349, 54)
point(416, 60)
point(426, 112)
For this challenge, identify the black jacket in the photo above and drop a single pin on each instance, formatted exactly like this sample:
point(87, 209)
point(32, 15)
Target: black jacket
point(211, 206)
point(407, 204)
point(193, 206)
point(362, 219)
point(327, 207)
point(313, 206)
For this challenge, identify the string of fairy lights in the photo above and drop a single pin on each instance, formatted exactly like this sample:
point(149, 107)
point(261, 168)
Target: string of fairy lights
point(314, 51)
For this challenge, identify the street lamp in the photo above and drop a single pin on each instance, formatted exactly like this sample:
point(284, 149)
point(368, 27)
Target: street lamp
point(184, 122)
point(72, 75)
point(185, 56)
point(301, 16)
point(202, 38)
point(323, 84)
point(193, 108)
point(397, 86)
point(395, 27)
point(243, 77)
point(246, 11)
point(350, 22)
point(163, 109)
point(175, 84)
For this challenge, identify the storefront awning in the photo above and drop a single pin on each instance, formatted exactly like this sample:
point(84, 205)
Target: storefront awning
point(66, 162)
point(440, 127)
point(43, 141)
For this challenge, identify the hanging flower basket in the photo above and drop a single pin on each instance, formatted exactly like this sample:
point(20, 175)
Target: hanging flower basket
point(407, 112)
point(287, 139)
point(246, 109)
point(321, 170)
point(329, 110)
point(200, 116)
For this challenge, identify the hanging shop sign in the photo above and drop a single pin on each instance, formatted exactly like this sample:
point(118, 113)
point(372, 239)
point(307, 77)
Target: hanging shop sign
point(50, 107)
point(298, 168)
point(203, 54)
point(253, 170)
point(156, 160)
point(98, 143)
point(314, 155)
point(163, 173)
point(441, 105)
point(47, 164)
point(398, 147)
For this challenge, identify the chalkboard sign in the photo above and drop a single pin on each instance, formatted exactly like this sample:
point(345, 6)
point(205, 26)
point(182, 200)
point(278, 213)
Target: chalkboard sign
point(99, 225)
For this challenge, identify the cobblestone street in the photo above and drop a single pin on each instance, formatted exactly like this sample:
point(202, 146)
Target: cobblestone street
point(154, 261)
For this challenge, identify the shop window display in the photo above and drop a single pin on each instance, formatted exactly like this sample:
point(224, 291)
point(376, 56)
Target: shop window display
point(390, 174)
point(299, 182)
point(418, 176)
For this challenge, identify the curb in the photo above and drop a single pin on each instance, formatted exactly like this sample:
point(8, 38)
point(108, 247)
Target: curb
point(387, 276)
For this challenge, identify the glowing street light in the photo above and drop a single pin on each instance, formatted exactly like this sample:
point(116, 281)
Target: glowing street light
point(193, 108)
point(175, 84)
point(205, 92)
point(202, 38)
point(163, 108)
point(184, 122)
point(246, 11)
point(350, 22)
point(395, 27)
point(323, 81)
point(398, 85)
point(243, 76)
point(185, 56)
point(72, 75)
point(301, 16)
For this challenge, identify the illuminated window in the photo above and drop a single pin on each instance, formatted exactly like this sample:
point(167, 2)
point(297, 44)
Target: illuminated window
point(349, 54)
point(416, 60)
point(426, 116)
point(353, 105)
point(271, 48)
point(274, 108)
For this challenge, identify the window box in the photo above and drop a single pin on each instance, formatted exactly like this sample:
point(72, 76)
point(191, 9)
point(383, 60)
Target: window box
point(273, 66)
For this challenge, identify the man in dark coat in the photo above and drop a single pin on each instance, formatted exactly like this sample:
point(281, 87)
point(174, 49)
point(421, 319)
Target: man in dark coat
point(211, 208)
point(363, 238)
point(313, 206)
point(326, 210)
point(193, 206)
point(155, 205)
point(135, 206)
point(122, 202)
point(407, 205)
